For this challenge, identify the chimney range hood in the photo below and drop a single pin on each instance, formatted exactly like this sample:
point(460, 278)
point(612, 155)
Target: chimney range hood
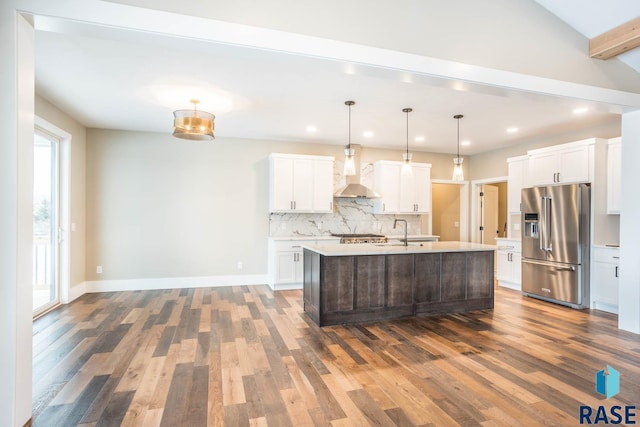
point(354, 189)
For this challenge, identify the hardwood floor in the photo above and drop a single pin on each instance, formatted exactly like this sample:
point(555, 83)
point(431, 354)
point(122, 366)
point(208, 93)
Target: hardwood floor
point(241, 356)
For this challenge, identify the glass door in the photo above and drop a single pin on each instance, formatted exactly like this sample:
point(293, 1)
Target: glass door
point(46, 195)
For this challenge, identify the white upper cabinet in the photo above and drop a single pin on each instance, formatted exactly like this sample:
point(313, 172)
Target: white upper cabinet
point(402, 192)
point(323, 185)
point(516, 181)
point(614, 162)
point(386, 182)
point(300, 183)
point(562, 164)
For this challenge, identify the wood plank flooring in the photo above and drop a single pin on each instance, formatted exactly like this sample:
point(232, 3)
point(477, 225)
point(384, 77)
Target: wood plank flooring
point(244, 356)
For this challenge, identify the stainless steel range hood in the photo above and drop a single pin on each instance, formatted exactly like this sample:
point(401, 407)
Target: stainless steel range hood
point(354, 189)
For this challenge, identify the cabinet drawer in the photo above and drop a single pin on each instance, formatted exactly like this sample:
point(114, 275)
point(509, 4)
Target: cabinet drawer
point(600, 254)
point(290, 245)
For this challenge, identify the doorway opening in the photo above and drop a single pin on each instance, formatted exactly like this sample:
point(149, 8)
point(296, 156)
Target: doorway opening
point(51, 217)
point(489, 218)
point(450, 210)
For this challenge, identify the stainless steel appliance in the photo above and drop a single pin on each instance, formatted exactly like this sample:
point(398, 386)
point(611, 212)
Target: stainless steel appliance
point(361, 238)
point(555, 243)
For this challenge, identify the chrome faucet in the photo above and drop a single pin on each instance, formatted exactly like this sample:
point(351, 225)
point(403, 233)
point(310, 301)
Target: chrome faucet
point(406, 241)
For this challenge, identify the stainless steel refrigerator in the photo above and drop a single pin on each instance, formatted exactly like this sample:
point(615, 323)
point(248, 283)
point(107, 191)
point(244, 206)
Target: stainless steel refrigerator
point(555, 243)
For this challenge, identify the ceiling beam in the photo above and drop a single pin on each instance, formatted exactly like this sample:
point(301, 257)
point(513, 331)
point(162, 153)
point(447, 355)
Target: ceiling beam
point(616, 41)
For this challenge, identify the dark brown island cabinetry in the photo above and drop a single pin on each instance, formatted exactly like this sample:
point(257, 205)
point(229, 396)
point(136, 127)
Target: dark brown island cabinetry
point(359, 288)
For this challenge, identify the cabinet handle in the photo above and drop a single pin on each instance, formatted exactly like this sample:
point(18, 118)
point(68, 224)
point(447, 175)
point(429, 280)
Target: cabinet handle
point(330, 206)
point(617, 271)
point(558, 176)
point(384, 207)
point(294, 205)
point(291, 205)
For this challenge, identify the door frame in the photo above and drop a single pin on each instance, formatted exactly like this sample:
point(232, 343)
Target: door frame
point(64, 208)
point(464, 207)
point(475, 202)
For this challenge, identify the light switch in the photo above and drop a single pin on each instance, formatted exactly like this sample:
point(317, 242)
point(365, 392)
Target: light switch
point(73, 226)
point(456, 224)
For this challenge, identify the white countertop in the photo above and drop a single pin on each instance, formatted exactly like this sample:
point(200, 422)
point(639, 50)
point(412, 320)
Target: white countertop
point(392, 249)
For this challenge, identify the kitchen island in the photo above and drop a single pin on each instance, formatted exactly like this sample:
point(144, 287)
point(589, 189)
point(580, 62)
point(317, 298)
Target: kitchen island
point(369, 282)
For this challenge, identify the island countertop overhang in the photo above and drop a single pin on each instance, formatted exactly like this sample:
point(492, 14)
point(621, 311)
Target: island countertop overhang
point(397, 248)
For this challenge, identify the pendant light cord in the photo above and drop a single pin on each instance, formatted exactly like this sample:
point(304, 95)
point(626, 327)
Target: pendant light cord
point(458, 138)
point(349, 127)
point(407, 133)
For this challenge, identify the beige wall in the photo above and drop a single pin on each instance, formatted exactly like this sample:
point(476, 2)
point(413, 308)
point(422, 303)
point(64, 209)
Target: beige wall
point(512, 35)
point(162, 207)
point(445, 211)
point(55, 116)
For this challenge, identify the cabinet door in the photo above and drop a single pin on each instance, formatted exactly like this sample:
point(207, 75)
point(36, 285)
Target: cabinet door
point(516, 269)
point(286, 267)
point(504, 266)
point(605, 284)
point(302, 185)
point(573, 165)
point(407, 202)
point(323, 186)
point(543, 168)
point(422, 189)
point(614, 182)
point(281, 184)
point(387, 184)
point(514, 185)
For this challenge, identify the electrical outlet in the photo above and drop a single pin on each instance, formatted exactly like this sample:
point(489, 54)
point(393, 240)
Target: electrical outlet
point(239, 265)
point(99, 269)
point(319, 225)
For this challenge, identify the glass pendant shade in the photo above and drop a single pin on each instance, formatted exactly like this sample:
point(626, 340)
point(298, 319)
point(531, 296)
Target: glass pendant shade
point(458, 174)
point(193, 124)
point(406, 163)
point(349, 162)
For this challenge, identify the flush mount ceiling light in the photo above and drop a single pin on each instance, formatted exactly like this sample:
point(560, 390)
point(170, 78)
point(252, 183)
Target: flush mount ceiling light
point(406, 156)
point(193, 124)
point(458, 174)
point(349, 160)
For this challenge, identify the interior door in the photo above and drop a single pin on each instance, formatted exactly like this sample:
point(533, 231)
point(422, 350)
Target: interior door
point(489, 204)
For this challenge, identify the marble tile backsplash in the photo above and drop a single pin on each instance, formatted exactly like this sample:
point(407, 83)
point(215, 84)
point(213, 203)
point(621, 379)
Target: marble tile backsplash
point(349, 216)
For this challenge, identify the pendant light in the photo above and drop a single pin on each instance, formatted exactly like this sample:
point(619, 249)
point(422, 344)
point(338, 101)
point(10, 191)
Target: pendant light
point(349, 160)
point(458, 174)
point(193, 124)
point(406, 157)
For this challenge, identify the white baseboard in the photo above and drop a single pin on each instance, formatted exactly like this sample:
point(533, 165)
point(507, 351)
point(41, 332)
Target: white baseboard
point(286, 286)
point(166, 283)
point(510, 285)
point(75, 292)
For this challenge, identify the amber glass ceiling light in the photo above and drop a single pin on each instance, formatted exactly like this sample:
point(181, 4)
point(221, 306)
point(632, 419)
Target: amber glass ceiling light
point(193, 124)
point(458, 174)
point(406, 156)
point(349, 159)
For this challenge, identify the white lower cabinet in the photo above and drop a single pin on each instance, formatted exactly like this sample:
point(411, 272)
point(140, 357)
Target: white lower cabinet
point(509, 258)
point(605, 273)
point(286, 264)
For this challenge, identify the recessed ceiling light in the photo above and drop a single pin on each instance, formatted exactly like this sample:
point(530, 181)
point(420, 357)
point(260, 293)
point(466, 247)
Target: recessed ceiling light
point(419, 138)
point(311, 129)
point(580, 110)
point(465, 143)
point(368, 134)
point(512, 130)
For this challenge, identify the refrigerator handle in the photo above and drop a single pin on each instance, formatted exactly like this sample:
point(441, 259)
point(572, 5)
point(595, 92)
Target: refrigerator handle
point(543, 222)
point(547, 224)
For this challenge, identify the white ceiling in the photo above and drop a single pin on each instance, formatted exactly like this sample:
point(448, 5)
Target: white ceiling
point(109, 79)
